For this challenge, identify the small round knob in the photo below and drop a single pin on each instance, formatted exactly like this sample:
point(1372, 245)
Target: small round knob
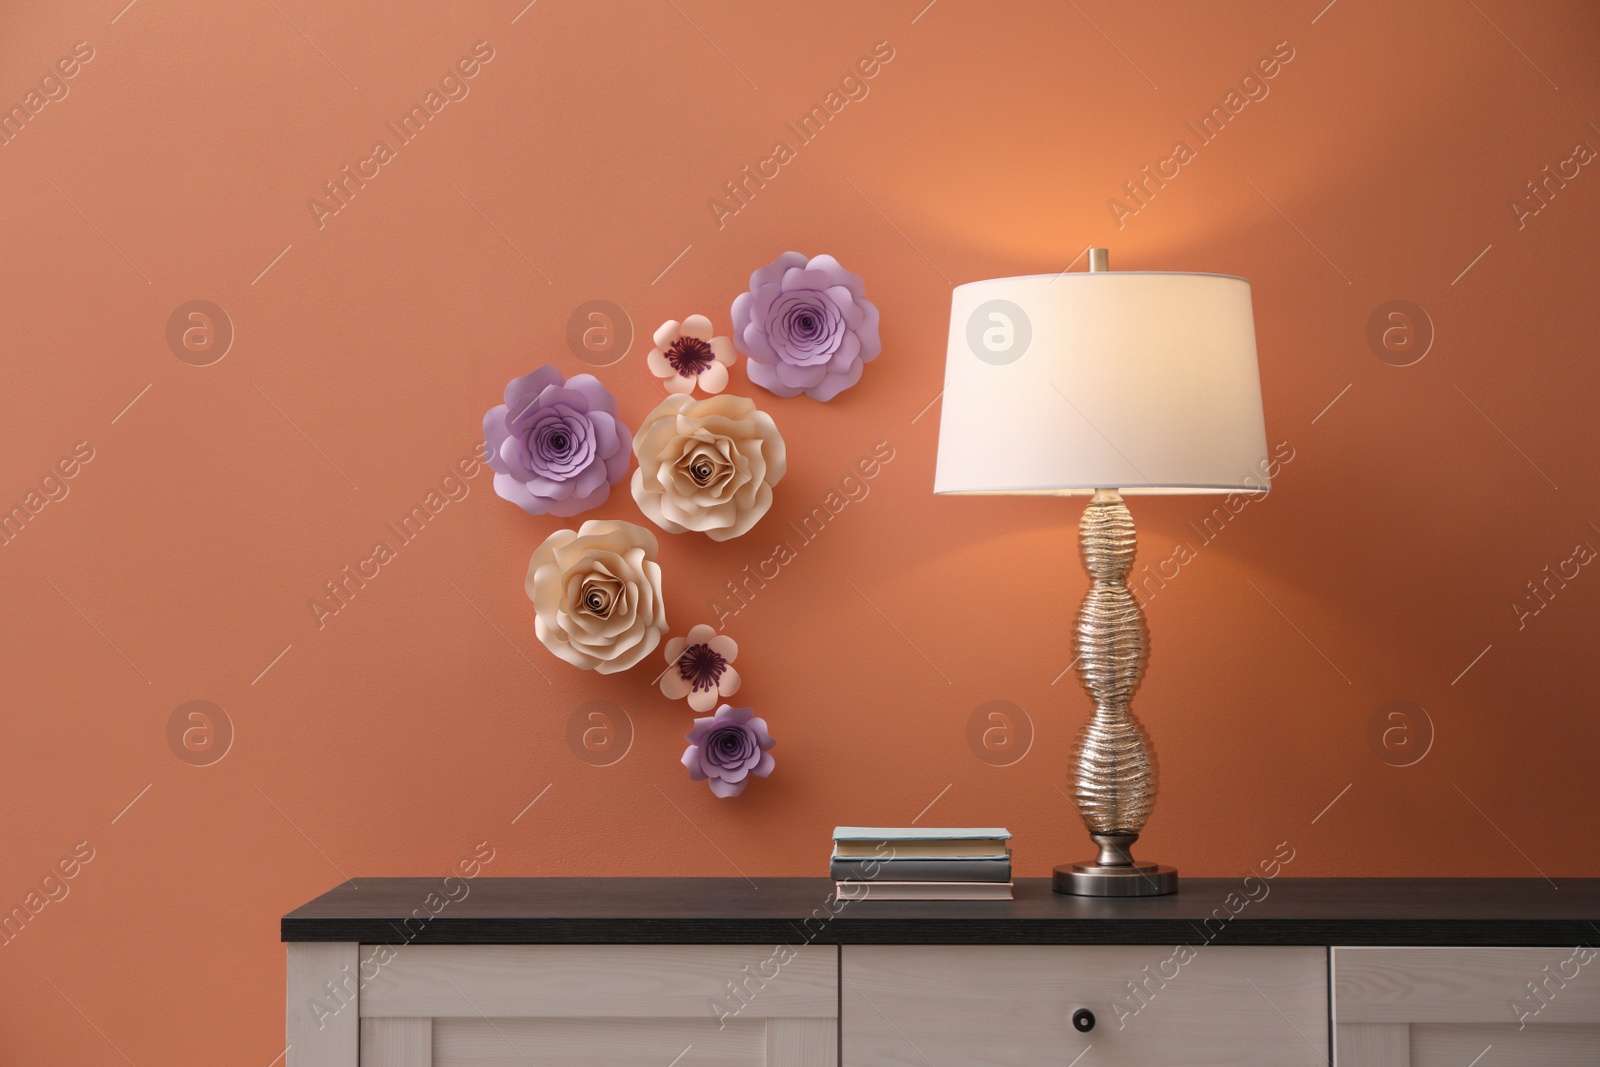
point(1083, 1020)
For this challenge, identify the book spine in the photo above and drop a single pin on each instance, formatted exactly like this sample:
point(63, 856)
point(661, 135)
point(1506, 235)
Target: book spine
point(924, 891)
point(904, 870)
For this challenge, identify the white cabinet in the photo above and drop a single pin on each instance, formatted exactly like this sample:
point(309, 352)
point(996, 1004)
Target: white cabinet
point(561, 1006)
point(510, 1005)
point(1455, 1007)
point(1005, 1005)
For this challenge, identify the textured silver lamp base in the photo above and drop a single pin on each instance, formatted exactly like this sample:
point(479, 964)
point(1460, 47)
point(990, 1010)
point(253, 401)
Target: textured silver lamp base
point(1091, 880)
point(1114, 781)
point(1114, 874)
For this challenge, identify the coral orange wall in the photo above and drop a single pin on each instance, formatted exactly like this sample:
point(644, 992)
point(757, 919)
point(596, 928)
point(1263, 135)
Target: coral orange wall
point(1383, 164)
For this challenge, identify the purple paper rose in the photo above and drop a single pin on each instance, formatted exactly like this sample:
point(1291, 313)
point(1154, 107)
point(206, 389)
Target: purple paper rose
point(727, 748)
point(805, 327)
point(556, 446)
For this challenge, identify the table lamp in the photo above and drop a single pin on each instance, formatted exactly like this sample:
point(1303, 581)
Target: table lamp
point(1102, 383)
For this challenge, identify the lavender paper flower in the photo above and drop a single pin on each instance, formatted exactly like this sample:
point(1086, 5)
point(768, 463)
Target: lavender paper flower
point(556, 445)
point(805, 327)
point(727, 748)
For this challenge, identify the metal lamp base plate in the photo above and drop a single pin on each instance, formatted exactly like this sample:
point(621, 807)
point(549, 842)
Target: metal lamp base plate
point(1093, 880)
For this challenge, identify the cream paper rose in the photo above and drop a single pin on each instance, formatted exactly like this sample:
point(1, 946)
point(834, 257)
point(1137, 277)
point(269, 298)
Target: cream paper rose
point(596, 592)
point(707, 465)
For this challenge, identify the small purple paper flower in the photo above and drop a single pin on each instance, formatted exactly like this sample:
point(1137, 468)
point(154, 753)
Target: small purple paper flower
point(556, 446)
point(727, 748)
point(805, 327)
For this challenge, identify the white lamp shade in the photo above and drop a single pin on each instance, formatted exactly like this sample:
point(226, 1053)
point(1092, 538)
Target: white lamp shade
point(1140, 381)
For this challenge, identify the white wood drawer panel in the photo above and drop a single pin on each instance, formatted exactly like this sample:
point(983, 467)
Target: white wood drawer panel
point(599, 981)
point(1502, 1045)
point(802, 1043)
point(1005, 1005)
point(396, 1043)
point(597, 1043)
point(1372, 1045)
point(1464, 985)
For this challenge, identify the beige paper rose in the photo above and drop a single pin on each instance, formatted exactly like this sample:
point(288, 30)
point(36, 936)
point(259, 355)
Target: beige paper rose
point(707, 465)
point(596, 592)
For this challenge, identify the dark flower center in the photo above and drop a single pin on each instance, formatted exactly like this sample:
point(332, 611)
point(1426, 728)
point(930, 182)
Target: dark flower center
point(731, 746)
point(805, 327)
point(689, 356)
point(559, 444)
point(701, 470)
point(701, 667)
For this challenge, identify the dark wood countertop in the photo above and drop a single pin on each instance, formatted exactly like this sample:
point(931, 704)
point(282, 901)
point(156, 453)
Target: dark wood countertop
point(1286, 911)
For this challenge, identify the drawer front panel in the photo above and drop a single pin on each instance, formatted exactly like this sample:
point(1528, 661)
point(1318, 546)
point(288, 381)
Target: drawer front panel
point(701, 982)
point(1502, 1045)
point(596, 1042)
point(1521, 986)
point(998, 1006)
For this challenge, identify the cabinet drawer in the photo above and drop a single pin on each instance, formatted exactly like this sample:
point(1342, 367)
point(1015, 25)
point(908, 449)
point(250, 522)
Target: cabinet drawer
point(1445, 1007)
point(598, 981)
point(1526, 986)
point(1153, 1005)
point(645, 1042)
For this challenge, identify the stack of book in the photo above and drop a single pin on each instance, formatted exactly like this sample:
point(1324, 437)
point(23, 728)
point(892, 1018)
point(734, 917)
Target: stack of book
point(921, 863)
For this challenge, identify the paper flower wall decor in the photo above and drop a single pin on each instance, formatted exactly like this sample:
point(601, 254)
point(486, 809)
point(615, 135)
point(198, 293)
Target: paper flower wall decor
point(556, 445)
point(700, 667)
point(687, 357)
point(805, 327)
point(707, 465)
point(596, 595)
point(726, 748)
